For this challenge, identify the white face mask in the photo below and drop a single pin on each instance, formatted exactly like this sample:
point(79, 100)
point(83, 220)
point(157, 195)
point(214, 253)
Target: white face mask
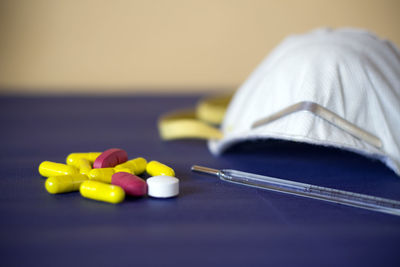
point(336, 88)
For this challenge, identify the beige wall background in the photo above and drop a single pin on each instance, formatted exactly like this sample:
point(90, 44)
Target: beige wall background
point(187, 46)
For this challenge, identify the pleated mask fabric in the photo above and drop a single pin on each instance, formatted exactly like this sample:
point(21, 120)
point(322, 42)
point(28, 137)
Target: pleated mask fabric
point(350, 72)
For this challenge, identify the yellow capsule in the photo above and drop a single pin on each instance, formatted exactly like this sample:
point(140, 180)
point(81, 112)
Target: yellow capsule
point(65, 183)
point(48, 168)
point(73, 158)
point(137, 166)
point(155, 168)
point(84, 166)
point(102, 192)
point(102, 174)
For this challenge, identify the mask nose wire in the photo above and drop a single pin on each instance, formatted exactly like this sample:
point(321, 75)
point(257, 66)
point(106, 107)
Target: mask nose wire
point(325, 114)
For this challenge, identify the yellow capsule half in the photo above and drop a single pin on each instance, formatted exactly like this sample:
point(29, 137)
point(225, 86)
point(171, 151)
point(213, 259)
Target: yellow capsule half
point(102, 174)
point(84, 166)
point(155, 168)
point(102, 192)
point(63, 184)
point(73, 158)
point(137, 166)
point(123, 170)
point(48, 168)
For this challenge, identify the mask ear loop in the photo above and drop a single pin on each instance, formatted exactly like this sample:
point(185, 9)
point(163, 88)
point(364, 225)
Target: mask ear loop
point(184, 124)
point(325, 114)
point(200, 123)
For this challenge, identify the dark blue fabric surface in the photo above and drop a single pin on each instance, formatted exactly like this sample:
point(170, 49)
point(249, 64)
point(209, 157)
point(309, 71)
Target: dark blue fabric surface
point(211, 223)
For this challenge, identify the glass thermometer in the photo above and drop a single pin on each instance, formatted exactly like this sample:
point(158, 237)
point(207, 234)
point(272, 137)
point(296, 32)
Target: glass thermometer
point(305, 190)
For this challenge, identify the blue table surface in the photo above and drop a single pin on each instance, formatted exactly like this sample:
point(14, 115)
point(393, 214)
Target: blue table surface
point(211, 223)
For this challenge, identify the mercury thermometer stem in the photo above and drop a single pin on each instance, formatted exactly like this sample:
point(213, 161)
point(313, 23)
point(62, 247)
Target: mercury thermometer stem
point(305, 190)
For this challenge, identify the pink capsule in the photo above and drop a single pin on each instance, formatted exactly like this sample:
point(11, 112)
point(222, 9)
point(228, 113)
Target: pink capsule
point(132, 185)
point(110, 158)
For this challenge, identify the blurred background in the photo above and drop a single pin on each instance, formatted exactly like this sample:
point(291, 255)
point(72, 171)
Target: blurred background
point(111, 47)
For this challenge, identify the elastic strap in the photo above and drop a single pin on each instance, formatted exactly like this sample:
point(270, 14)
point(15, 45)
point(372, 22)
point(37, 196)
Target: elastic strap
point(199, 123)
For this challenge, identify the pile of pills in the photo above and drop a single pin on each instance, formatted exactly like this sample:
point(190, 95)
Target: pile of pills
point(109, 176)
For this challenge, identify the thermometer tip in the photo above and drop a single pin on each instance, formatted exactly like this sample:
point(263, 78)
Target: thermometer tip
point(197, 168)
